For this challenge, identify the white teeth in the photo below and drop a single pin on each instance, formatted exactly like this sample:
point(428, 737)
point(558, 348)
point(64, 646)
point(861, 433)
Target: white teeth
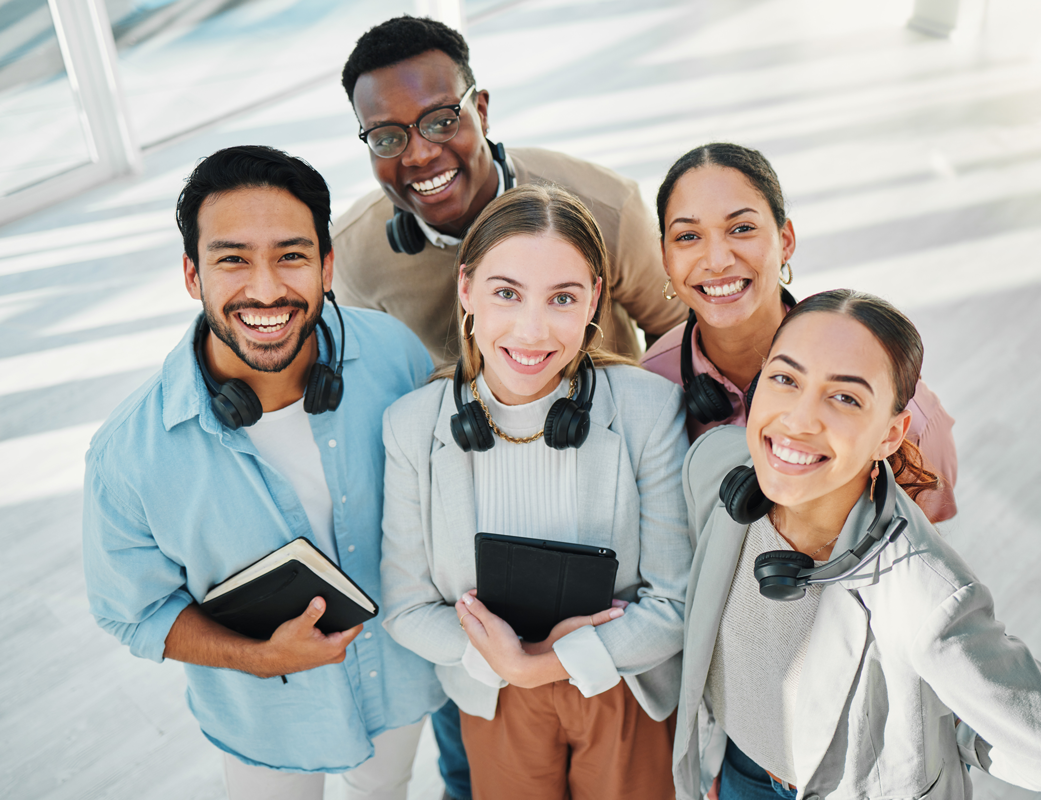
point(726, 289)
point(794, 456)
point(435, 184)
point(265, 324)
point(528, 362)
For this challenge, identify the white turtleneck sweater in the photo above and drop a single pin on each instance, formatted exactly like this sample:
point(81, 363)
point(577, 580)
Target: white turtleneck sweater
point(526, 489)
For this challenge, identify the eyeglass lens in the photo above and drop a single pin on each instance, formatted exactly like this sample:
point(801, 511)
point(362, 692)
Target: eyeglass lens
point(438, 126)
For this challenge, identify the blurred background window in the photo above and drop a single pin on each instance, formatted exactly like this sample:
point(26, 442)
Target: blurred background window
point(186, 63)
point(43, 132)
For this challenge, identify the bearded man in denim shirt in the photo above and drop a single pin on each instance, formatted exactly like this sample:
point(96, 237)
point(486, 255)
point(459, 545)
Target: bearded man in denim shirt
point(184, 489)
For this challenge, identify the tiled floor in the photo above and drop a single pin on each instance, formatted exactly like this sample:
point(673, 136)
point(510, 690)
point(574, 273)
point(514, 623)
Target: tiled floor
point(913, 168)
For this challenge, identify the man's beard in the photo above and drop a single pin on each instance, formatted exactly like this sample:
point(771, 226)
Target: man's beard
point(273, 357)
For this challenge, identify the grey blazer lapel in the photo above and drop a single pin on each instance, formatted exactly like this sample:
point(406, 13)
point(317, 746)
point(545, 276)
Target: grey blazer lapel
point(598, 463)
point(709, 588)
point(833, 658)
point(452, 484)
point(837, 642)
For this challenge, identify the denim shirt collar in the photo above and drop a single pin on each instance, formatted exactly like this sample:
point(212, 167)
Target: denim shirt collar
point(184, 391)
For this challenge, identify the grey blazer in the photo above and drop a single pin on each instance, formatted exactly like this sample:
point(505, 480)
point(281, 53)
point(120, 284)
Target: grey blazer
point(630, 500)
point(893, 656)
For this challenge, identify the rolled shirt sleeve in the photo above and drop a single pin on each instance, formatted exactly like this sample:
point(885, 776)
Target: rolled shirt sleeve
point(479, 669)
point(932, 432)
point(136, 592)
point(587, 661)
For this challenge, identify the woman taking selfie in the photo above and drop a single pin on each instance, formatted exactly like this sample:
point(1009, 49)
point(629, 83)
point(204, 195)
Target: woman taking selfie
point(726, 247)
point(885, 669)
point(585, 713)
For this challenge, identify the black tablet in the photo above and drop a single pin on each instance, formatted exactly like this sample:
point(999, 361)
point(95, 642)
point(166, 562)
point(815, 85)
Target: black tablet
point(535, 583)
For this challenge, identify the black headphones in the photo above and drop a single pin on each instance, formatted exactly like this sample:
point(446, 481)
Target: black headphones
point(707, 400)
point(567, 423)
point(237, 405)
point(785, 574)
point(404, 233)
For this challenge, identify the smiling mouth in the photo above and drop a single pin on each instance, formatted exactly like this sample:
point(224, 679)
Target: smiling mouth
point(435, 184)
point(265, 323)
point(797, 457)
point(527, 361)
point(724, 289)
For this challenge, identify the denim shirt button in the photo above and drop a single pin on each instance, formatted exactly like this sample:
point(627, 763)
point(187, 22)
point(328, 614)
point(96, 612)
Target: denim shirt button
point(373, 674)
point(332, 443)
point(350, 548)
point(368, 634)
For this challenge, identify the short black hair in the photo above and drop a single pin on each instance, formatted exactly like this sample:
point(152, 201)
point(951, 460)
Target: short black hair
point(401, 38)
point(247, 166)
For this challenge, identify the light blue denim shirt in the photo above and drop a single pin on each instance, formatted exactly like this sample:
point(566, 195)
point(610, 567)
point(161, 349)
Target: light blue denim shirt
point(174, 503)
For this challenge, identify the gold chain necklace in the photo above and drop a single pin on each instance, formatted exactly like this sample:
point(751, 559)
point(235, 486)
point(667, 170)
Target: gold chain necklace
point(494, 427)
point(811, 555)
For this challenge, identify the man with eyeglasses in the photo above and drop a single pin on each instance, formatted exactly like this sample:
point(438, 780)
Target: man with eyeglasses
point(425, 123)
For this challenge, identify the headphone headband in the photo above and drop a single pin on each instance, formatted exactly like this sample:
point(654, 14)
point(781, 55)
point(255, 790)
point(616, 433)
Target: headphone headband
point(403, 231)
point(784, 574)
point(687, 351)
point(567, 423)
point(236, 405)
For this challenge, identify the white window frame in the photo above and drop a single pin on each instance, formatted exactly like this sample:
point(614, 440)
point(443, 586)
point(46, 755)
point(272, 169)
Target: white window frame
point(89, 52)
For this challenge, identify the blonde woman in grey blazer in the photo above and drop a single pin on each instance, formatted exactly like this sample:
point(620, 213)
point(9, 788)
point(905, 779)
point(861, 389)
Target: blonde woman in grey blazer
point(588, 712)
point(877, 686)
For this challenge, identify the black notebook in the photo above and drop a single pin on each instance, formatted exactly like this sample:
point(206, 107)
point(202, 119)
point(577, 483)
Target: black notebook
point(535, 583)
point(279, 586)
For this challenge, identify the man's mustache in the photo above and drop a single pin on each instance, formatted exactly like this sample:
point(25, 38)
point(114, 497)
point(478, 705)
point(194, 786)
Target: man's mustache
point(232, 307)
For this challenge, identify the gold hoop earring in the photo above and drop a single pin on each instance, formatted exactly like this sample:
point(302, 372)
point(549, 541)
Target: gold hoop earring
point(462, 325)
point(786, 280)
point(598, 344)
point(665, 290)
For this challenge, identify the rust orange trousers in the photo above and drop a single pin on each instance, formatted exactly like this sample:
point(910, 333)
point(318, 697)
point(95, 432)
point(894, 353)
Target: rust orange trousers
point(552, 743)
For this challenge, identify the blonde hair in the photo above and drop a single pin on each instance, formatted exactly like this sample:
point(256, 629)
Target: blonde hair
point(534, 210)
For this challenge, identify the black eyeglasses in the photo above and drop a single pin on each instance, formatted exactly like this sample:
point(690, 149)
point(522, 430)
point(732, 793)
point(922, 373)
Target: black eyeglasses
point(438, 125)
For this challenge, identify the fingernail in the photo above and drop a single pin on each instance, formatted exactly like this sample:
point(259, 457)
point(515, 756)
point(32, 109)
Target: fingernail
point(314, 604)
point(467, 600)
point(615, 613)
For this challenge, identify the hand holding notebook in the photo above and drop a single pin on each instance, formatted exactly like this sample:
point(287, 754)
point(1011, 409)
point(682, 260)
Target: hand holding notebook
point(522, 664)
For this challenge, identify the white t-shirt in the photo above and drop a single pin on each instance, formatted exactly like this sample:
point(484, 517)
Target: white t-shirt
point(284, 439)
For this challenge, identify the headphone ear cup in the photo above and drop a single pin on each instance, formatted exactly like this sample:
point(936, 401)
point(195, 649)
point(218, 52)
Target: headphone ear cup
point(236, 405)
point(742, 497)
point(471, 430)
point(778, 574)
point(567, 425)
point(324, 390)
point(707, 400)
point(404, 233)
point(315, 385)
